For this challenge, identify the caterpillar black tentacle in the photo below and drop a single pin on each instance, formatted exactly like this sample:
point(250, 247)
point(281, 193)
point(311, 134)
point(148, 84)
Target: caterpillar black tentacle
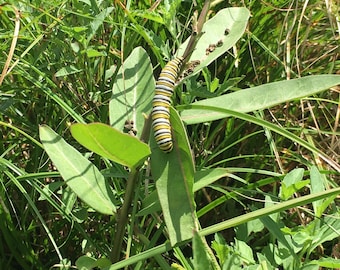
point(161, 102)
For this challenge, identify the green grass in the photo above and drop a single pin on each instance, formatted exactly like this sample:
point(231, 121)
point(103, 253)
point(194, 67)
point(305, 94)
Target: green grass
point(253, 180)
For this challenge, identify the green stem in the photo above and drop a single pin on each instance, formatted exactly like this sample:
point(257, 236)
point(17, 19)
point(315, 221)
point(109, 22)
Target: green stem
point(122, 216)
point(123, 213)
point(198, 32)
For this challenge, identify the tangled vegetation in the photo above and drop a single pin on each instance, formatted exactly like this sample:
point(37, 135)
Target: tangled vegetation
point(253, 179)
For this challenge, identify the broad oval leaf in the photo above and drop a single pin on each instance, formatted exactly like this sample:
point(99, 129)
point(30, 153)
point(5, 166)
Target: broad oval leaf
point(110, 143)
point(79, 174)
point(220, 33)
point(174, 175)
point(260, 97)
point(132, 91)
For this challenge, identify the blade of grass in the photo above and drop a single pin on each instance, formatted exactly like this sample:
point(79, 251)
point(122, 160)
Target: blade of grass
point(229, 224)
point(270, 126)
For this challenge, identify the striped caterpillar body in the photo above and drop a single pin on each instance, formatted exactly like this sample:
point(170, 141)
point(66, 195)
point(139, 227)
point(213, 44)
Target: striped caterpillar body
point(161, 102)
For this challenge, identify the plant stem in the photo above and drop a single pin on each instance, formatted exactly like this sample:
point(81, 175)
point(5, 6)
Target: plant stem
point(122, 216)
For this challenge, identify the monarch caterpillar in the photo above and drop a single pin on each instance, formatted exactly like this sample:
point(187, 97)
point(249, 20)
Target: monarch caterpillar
point(161, 102)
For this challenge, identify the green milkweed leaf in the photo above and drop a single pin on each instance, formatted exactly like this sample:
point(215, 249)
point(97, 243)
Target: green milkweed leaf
point(174, 176)
point(219, 34)
point(260, 97)
point(110, 143)
point(132, 91)
point(79, 174)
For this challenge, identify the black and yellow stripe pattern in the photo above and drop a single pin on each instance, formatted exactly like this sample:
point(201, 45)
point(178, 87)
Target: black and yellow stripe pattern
point(161, 102)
